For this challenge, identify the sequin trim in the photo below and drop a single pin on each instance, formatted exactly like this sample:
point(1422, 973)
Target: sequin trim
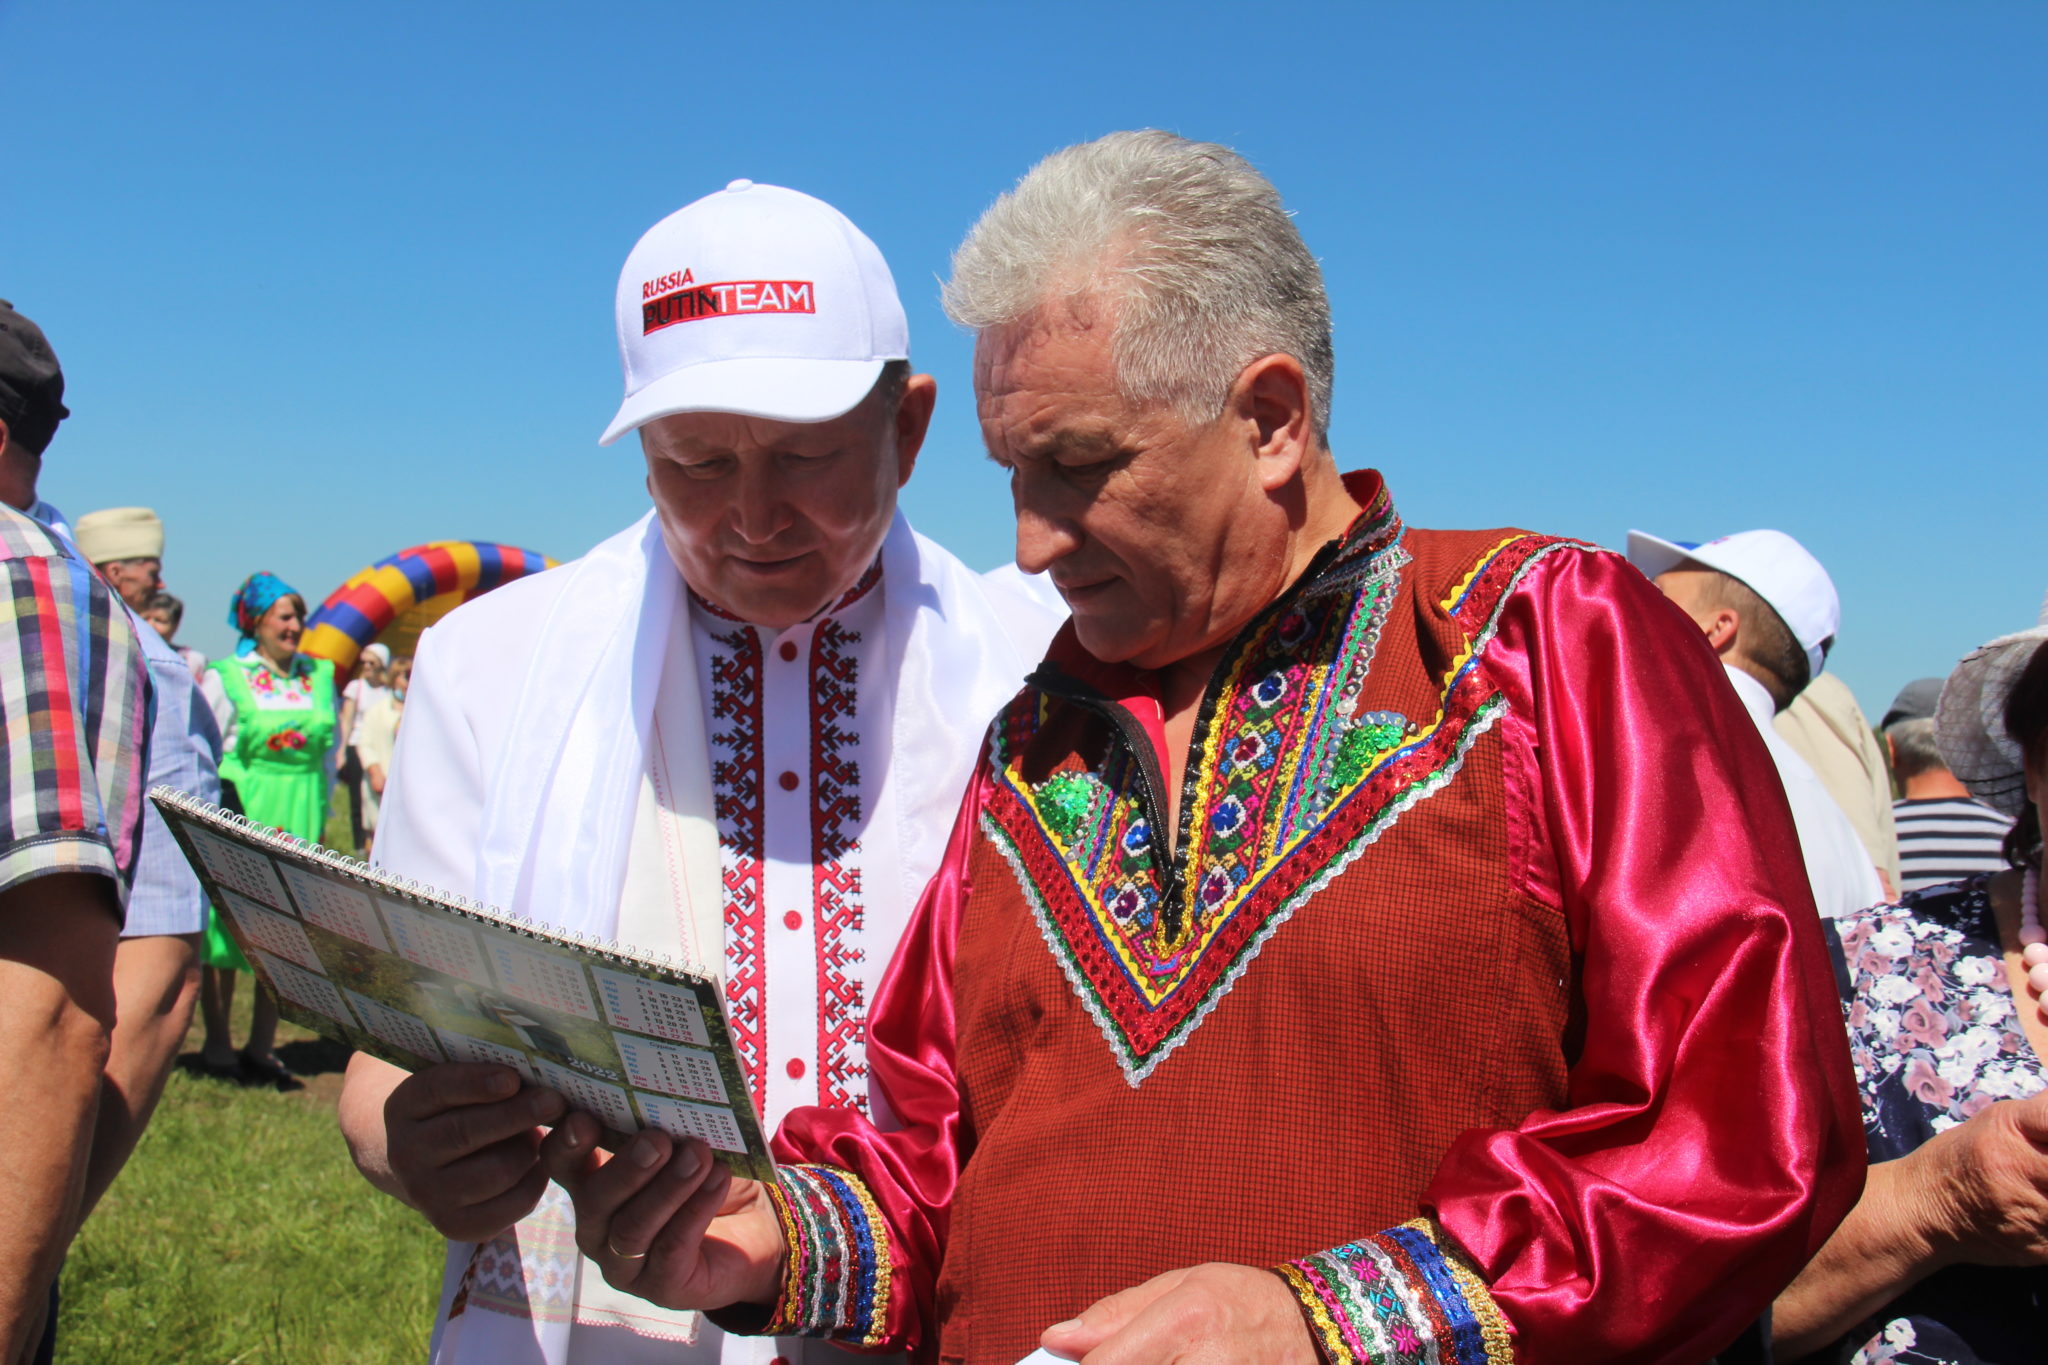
point(1293, 779)
point(837, 1271)
point(1135, 1066)
point(1401, 1297)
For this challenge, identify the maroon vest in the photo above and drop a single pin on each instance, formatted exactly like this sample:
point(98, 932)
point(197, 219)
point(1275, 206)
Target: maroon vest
point(1261, 1045)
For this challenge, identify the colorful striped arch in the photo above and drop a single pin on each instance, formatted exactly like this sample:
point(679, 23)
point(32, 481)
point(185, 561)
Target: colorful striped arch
point(395, 599)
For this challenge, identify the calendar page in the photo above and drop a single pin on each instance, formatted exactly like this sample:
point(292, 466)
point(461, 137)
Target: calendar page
point(417, 978)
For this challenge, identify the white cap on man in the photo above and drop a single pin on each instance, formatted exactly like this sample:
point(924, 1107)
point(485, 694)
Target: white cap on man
point(1772, 565)
point(117, 533)
point(755, 300)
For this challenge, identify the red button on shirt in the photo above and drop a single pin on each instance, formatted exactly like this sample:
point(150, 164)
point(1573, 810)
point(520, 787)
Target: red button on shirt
point(795, 1068)
point(787, 649)
point(787, 781)
point(792, 920)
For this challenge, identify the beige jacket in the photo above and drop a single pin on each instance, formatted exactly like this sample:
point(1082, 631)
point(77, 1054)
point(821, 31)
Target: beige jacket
point(1827, 729)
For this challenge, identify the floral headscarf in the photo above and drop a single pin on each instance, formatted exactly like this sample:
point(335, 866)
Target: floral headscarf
point(257, 595)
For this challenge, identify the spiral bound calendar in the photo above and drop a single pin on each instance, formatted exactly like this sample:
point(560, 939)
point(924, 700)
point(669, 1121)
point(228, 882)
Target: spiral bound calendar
point(417, 976)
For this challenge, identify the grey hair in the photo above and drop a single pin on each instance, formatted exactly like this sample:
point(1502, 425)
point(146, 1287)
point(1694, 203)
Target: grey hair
point(1913, 748)
point(1194, 245)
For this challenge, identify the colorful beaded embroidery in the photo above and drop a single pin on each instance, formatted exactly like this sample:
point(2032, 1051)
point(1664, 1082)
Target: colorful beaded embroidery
point(1402, 1297)
point(1290, 779)
point(837, 1273)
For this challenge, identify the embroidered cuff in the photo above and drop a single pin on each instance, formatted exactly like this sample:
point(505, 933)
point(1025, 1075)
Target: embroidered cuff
point(835, 1280)
point(1402, 1297)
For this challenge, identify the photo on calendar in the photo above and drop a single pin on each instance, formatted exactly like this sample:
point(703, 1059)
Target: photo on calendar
point(416, 977)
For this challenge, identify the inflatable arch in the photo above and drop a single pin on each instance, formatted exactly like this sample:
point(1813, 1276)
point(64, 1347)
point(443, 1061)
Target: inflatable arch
point(395, 599)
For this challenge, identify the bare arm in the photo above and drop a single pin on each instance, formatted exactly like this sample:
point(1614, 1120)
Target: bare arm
point(1975, 1195)
point(57, 937)
point(1882, 1249)
point(368, 1085)
point(156, 980)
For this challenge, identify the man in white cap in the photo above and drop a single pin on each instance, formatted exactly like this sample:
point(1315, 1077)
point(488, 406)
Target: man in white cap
point(1770, 611)
point(736, 732)
point(156, 966)
point(126, 544)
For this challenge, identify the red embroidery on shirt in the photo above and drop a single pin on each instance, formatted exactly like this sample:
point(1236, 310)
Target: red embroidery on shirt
point(736, 779)
point(835, 886)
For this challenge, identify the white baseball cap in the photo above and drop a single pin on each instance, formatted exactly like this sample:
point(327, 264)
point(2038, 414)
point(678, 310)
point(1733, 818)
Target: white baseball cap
point(756, 300)
point(1771, 564)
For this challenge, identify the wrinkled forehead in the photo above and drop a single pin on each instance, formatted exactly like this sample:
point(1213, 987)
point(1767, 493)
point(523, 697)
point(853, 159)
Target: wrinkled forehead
point(1049, 378)
point(1076, 330)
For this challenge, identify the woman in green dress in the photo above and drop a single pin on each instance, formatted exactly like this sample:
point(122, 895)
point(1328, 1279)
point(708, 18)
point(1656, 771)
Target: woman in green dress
point(276, 710)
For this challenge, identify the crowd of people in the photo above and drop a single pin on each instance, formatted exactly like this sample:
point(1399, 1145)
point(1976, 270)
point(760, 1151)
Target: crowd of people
point(1247, 927)
point(101, 703)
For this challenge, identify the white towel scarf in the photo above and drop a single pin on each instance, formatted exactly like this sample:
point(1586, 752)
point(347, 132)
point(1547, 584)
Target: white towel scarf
point(562, 795)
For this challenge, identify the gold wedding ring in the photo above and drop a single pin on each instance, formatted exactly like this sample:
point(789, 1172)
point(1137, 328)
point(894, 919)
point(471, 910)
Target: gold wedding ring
point(613, 1248)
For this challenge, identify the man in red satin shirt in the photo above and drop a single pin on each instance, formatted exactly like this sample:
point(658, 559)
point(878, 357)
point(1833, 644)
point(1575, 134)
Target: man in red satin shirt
point(1358, 942)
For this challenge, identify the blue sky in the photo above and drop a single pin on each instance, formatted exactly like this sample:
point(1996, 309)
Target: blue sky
point(328, 281)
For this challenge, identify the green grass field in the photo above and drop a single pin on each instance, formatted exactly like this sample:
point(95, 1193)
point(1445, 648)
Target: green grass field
point(240, 1232)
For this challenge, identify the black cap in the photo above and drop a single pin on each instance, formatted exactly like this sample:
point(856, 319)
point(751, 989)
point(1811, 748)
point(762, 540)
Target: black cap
point(31, 382)
point(1915, 702)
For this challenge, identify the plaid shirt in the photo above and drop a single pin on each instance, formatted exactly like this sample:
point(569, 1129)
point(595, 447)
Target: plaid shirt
point(74, 713)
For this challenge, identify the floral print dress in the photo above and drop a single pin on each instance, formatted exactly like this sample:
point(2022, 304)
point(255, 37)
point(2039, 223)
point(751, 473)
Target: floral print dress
point(1935, 1037)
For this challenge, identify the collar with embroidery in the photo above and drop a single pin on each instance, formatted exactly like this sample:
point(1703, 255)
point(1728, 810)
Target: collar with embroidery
point(1291, 774)
point(1070, 670)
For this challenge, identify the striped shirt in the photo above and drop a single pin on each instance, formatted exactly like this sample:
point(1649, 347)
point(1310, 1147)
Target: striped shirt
point(1945, 839)
point(74, 715)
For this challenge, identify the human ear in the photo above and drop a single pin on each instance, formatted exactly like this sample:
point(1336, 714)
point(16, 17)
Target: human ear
point(1723, 625)
point(913, 420)
point(1270, 399)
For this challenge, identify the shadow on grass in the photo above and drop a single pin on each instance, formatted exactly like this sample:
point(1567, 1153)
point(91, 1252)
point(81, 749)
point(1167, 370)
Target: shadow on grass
point(305, 1059)
point(314, 1057)
point(194, 1065)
